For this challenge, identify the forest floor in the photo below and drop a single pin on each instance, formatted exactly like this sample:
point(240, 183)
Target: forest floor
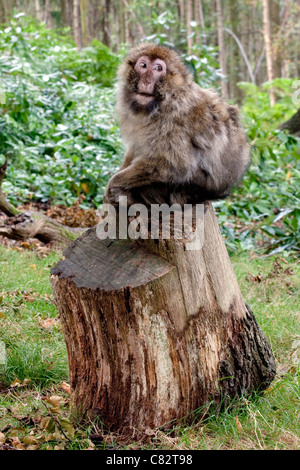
point(34, 388)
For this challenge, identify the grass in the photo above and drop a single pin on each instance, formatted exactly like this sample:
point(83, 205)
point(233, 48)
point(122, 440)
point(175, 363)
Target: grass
point(36, 369)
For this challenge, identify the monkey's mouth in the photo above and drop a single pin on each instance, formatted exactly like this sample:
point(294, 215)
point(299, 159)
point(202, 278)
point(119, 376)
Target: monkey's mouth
point(144, 98)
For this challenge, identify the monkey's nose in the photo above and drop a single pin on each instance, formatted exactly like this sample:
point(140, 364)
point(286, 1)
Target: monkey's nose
point(146, 86)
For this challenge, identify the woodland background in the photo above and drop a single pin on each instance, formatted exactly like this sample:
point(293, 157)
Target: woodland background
point(59, 145)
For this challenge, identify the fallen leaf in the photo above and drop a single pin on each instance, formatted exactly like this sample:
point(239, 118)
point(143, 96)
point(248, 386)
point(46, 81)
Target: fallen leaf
point(66, 387)
point(48, 322)
point(2, 437)
point(29, 440)
point(238, 424)
point(54, 402)
point(15, 383)
point(66, 426)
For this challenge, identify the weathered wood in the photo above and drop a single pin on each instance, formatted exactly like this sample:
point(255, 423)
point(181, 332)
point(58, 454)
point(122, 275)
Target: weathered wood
point(30, 224)
point(153, 331)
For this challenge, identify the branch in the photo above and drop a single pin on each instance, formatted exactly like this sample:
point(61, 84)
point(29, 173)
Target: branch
point(6, 206)
point(140, 27)
point(252, 78)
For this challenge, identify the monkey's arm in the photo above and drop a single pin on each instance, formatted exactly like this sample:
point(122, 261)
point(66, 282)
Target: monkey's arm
point(128, 157)
point(134, 175)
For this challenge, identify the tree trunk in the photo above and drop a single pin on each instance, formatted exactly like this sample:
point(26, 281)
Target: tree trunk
point(47, 14)
point(155, 331)
point(275, 31)
point(83, 21)
point(38, 10)
point(268, 46)
point(66, 13)
point(189, 26)
point(222, 58)
point(76, 24)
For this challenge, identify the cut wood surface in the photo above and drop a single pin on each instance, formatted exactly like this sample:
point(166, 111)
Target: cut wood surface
point(154, 331)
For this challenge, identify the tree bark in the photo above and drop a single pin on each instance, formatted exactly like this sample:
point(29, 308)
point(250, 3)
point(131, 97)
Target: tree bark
point(47, 14)
point(189, 10)
point(38, 10)
point(76, 24)
point(222, 58)
point(30, 224)
point(275, 31)
point(155, 332)
point(268, 46)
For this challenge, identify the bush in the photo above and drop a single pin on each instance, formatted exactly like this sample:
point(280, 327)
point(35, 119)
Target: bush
point(57, 132)
point(264, 209)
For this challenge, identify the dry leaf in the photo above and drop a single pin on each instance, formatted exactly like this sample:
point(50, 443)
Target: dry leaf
point(29, 440)
point(2, 437)
point(54, 402)
point(238, 424)
point(48, 322)
point(66, 387)
point(15, 383)
point(66, 426)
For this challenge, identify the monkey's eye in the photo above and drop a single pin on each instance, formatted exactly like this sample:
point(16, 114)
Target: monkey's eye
point(158, 68)
point(143, 64)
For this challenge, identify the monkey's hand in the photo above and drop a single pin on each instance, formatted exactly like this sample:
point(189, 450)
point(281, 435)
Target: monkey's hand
point(125, 180)
point(112, 193)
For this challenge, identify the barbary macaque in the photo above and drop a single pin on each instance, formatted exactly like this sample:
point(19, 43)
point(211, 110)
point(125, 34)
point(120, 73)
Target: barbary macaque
point(184, 144)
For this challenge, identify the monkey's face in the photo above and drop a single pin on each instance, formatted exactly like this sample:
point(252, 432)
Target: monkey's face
point(151, 77)
point(150, 72)
point(146, 83)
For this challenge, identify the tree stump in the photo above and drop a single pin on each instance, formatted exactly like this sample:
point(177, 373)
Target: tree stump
point(154, 331)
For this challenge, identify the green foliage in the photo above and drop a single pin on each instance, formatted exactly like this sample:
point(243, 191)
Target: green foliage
point(58, 132)
point(264, 209)
point(202, 62)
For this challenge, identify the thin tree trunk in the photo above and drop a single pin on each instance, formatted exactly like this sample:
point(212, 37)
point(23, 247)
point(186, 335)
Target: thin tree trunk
point(222, 57)
point(38, 10)
point(76, 24)
point(201, 20)
point(83, 20)
point(139, 25)
point(275, 30)
point(66, 13)
point(47, 14)
point(268, 45)
point(189, 9)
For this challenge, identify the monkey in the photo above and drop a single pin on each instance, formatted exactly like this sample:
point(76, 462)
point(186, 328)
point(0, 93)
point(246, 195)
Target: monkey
point(184, 143)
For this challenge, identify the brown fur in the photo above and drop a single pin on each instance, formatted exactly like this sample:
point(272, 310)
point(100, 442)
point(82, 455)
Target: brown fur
point(187, 146)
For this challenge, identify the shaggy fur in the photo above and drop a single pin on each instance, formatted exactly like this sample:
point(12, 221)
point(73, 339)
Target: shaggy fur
point(185, 146)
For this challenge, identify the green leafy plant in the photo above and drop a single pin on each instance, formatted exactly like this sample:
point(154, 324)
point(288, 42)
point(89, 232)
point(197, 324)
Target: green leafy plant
point(57, 128)
point(264, 210)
